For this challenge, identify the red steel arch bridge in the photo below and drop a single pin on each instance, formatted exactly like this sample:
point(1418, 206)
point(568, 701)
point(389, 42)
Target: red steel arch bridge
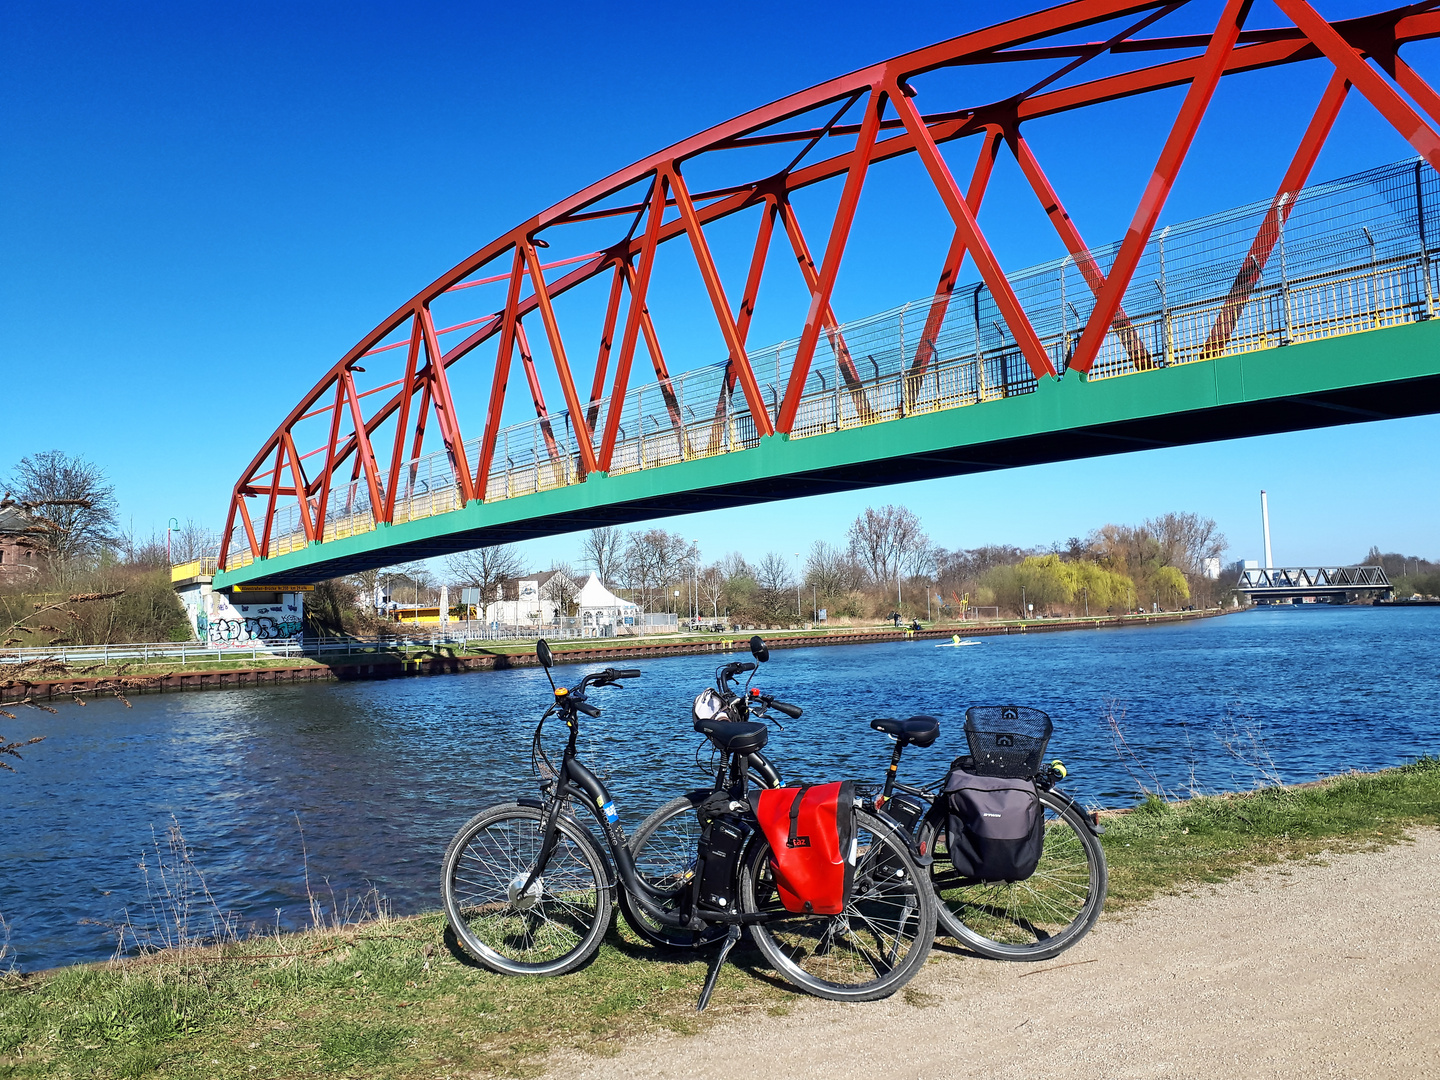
point(1311, 308)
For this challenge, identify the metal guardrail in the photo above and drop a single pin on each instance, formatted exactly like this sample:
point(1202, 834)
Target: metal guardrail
point(144, 651)
point(1352, 255)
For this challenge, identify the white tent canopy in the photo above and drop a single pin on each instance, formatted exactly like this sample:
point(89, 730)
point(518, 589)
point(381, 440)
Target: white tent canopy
point(598, 606)
point(595, 595)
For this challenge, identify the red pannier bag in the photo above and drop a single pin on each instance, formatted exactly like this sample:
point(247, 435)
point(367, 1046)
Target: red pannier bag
point(811, 831)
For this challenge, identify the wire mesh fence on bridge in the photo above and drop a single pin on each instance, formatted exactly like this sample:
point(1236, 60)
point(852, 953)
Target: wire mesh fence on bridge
point(1354, 254)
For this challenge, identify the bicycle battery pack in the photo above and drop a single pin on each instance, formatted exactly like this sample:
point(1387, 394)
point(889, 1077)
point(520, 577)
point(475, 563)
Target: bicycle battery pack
point(905, 810)
point(721, 842)
point(811, 831)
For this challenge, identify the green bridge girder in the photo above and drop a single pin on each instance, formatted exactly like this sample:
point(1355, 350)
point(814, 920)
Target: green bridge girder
point(1375, 375)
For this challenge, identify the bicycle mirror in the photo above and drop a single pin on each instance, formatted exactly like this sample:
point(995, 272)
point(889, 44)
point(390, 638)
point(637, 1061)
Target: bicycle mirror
point(542, 653)
point(758, 649)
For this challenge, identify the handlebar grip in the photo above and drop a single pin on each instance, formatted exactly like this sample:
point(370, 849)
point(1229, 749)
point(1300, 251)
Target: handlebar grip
point(628, 673)
point(792, 711)
point(746, 666)
point(586, 708)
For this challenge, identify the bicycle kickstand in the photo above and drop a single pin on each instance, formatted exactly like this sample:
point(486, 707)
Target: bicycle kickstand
point(731, 937)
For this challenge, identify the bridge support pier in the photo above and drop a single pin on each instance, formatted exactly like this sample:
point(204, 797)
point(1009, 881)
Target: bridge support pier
point(245, 616)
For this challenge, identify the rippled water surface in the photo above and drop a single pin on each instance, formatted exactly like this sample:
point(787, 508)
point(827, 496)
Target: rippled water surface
point(381, 774)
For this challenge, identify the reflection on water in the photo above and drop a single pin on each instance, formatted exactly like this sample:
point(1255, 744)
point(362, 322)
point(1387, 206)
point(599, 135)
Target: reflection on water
point(381, 774)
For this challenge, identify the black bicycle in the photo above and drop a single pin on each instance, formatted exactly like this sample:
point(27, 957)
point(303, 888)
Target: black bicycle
point(528, 888)
point(1034, 919)
point(665, 845)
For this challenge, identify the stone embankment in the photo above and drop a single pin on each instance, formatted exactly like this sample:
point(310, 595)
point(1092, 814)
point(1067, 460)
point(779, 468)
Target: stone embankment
point(383, 665)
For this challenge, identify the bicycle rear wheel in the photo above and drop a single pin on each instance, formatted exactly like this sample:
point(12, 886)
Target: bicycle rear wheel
point(1034, 919)
point(870, 949)
point(550, 928)
point(664, 848)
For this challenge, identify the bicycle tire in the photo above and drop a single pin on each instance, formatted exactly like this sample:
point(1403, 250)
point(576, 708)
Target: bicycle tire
point(665, 847)
point(551, 928)
point(844, 957)
point(1035, 919)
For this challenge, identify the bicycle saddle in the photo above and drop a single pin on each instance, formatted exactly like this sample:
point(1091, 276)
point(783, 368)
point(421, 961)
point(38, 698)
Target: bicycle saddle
point(742, 737)
point(920, 730)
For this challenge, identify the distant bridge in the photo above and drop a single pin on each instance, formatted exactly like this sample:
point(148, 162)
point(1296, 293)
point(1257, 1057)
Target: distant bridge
point(1330, 582)
point(1309, 309)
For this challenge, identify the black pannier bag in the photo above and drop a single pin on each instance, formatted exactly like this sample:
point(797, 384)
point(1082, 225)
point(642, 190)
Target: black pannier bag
point(996, 826)
point(994, 819)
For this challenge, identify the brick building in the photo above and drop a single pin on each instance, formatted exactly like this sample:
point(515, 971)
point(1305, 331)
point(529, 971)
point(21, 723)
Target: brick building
point(20, 549)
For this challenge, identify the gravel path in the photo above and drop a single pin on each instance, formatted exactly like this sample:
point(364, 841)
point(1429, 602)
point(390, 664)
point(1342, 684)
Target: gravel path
point(1310, 971)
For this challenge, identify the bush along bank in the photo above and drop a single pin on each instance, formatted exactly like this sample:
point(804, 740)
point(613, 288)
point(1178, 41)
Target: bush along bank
point(393, 998)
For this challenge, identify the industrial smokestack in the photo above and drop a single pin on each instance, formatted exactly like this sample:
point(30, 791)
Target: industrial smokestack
point(1265, 520)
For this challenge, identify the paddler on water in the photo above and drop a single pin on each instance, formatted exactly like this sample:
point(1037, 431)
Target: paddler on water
point(954, 639)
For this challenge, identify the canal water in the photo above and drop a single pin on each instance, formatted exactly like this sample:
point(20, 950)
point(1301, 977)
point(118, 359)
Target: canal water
point(379, 775)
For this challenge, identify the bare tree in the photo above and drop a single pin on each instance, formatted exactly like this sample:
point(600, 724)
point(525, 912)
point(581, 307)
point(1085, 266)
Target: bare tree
point(602, 550)
point(831, 571)
point(711, 582)
point(1187, 540)
point(146, 553)
point(485, 568)
point(562, 588)
point(193, 541)
point(887, 542)
point(654, 560)
point(777, 587)
point(78, 519)
point(365, 583)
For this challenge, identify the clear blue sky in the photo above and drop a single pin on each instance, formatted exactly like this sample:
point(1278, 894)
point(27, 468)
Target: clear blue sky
point(203, 206)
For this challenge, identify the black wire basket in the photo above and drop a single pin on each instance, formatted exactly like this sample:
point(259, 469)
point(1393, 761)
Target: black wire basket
point(1007, 740)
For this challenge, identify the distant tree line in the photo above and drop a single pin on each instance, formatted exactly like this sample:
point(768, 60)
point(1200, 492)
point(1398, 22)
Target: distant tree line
point(1410, 574)
point(887, 565)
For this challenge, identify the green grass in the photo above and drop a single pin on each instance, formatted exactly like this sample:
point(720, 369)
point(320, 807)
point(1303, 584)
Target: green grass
point(392, 999)
point(1163, 848)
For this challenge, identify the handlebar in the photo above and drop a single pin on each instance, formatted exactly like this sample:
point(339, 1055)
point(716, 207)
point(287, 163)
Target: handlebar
point(792, 711)
point(575, 696)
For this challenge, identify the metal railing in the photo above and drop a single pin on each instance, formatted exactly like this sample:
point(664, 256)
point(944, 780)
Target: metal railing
point(144, 651)
point(1351, 255)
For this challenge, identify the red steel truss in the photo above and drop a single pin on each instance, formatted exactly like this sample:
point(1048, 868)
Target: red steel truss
point(876, 108)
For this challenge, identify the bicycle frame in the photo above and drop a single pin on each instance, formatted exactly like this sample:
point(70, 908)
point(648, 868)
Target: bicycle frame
point(574, 780)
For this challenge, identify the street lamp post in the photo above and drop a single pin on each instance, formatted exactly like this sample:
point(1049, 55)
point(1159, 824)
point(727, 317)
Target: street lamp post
point(797, 586)
point(173, 523)
point(1022, 603)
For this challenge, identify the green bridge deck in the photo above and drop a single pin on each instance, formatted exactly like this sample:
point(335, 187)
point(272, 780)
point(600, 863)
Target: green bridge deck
point(1374, 375)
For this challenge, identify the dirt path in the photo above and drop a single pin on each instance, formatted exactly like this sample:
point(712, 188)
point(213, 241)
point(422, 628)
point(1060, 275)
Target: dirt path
point(1318, 971)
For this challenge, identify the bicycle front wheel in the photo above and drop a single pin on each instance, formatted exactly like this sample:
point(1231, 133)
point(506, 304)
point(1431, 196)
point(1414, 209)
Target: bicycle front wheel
point(873, 947)
point(548, 928)
point(665, 849)
point(1034, 919)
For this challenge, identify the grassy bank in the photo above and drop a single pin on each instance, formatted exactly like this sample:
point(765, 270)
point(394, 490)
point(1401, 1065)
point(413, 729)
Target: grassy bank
point(391, 998)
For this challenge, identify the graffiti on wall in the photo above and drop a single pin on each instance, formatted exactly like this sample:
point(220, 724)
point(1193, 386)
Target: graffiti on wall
point(254, 628)
point(239, 624)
